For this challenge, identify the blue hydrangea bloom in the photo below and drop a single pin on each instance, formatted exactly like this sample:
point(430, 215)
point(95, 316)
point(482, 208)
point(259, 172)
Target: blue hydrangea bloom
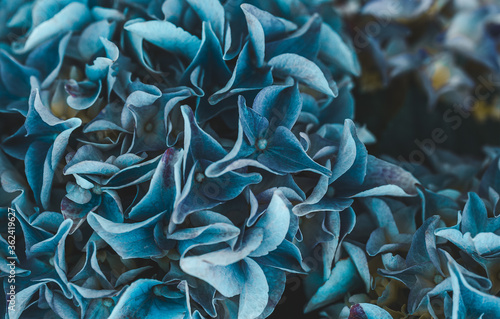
point(187, 158)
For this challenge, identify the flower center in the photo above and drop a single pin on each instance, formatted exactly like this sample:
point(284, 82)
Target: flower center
point(101, 256)
point(199, 177)
point(97, 190)
point(148, 127)
point(330, 192)
point(157, 290)
point(438, 279)
point(262, 144)
point(108, 302)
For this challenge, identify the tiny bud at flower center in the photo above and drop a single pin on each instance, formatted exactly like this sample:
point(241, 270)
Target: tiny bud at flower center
point(199, 177)
point(262, 144)
point(108, 302)
point(97, 190)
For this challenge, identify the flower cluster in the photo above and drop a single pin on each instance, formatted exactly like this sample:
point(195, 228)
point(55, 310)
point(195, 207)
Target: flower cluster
point(450, 47)
point(433, 256)
point(183, 158)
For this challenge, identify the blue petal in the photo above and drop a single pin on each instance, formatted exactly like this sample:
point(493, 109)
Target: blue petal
point(351, 163)
point(368, 311)
point(343, 278)
point(304, 42)
point(48, 59)
point(257, 37)
point(275, 222)
point(15, 76)
point(280, 105)
point(302, 69)
point(211, 11)
point(246, 77)
point(148, 298)
point(359, 258)
point(73, 17)
point(286, 155)
point(213, 71)
point(468, 301)
point(273, 26)
point(90, 43)
point(222, 269)
point(82, 95)
point(163, 189)
point(475, 217)
point(167, 36)
point(128, 240)
point(255, 292)
point(333, 50)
